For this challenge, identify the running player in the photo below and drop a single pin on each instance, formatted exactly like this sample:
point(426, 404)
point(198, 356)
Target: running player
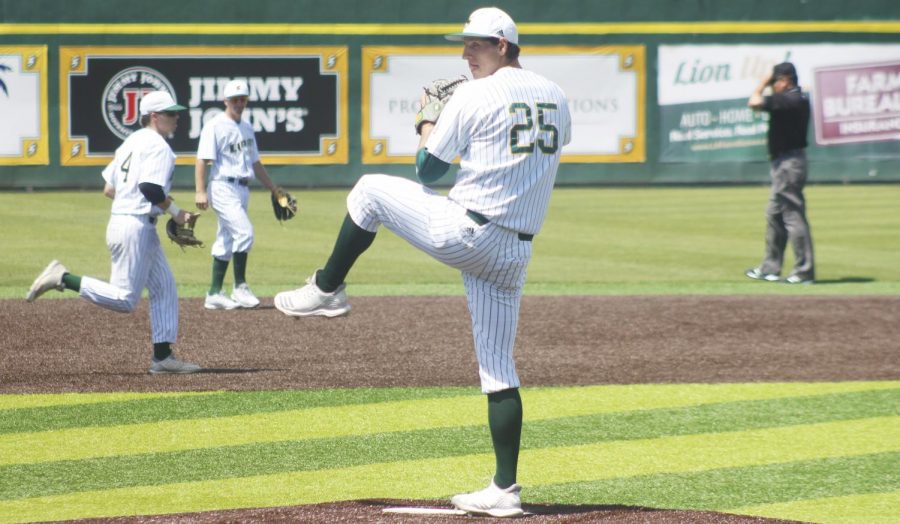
point(138, 181)
point(229, 144)
point(508, 126)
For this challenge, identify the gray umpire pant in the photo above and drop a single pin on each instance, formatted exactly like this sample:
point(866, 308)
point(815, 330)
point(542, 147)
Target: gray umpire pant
point(786, 217)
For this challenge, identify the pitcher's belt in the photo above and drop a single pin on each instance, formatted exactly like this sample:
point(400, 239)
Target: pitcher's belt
point(481, 220)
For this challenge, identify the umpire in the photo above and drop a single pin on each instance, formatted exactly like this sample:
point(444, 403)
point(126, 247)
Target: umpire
point(788, 109)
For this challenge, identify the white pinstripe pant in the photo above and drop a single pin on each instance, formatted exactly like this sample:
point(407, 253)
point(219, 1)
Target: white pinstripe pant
point(492, 260)
point(235, 232)
point(138, 262)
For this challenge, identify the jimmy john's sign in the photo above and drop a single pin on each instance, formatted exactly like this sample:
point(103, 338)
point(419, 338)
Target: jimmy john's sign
point(297, 103)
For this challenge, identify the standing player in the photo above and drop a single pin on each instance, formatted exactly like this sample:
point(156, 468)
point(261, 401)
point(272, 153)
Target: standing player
point(138, 180)
point(508, 126)
point(229, 144)
point(788, 110)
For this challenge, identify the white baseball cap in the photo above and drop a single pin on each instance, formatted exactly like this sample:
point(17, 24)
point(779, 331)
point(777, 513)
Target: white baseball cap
point(157, 102)
point(488, 22)
point(236, 88)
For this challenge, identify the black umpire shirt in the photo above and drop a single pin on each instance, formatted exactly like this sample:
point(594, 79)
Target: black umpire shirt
point(788, 121)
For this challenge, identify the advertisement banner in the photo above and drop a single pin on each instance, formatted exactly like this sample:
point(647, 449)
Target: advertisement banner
point(605, 87)
point(23, 105)
point(858, 103)
point(703, 92)
point(297, 103)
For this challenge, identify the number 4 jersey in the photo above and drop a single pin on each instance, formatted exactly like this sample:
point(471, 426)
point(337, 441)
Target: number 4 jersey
point(509, 129)
point(145, 156)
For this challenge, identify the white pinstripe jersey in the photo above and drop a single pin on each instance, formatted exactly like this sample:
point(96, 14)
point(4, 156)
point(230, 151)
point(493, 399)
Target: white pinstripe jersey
point(230, 145)
point(509, 129)
point(144, 156)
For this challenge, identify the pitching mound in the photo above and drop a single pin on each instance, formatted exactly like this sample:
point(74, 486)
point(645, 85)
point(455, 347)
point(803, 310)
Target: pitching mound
point(371, 511)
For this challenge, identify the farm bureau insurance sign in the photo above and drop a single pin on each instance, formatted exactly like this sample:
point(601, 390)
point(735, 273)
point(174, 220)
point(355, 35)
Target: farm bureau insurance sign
point(297, 98)
point(858, 103)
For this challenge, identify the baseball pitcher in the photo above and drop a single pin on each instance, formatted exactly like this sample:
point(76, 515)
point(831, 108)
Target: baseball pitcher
point(508, 125)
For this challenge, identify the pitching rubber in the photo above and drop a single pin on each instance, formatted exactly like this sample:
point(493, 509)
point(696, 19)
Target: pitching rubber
point(424, 511)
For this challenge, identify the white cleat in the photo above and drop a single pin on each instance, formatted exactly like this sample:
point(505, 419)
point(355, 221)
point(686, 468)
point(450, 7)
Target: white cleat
point(244, 297)
point(50, 278)
point(757, 274)
point(309, 301)
point(491, 501)
point(220, 301)
point(172, 365)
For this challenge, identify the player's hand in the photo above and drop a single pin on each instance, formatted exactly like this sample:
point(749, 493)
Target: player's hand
point(183, 217)
point(201, 200)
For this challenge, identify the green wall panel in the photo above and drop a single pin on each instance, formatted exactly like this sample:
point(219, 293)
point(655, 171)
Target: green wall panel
point(391, 22)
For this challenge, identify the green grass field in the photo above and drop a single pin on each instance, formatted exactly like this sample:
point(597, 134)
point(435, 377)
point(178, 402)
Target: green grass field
point(823, 452)
point(595, 241)
point(820, 452)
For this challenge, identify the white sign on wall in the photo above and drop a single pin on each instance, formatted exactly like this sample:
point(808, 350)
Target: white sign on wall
point(605, 87)
point(23, 105)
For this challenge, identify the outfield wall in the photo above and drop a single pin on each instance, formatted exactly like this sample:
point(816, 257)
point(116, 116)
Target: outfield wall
point(657, 87)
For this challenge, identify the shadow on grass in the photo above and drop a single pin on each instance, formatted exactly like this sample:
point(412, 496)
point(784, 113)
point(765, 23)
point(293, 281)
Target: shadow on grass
point(845, 280)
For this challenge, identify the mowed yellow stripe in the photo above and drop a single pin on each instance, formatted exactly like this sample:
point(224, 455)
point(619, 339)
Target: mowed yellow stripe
point(870, 508)
point(44, 400)
point(437, 478)
point(410, 415)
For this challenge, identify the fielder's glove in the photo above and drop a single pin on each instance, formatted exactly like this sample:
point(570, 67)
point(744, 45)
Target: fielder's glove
point(183, 234)
point(434, 100)
point(283, 205)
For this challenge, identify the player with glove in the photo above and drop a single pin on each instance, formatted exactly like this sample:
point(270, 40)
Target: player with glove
point(508, 126)
point(228, 143)
point(138, 181)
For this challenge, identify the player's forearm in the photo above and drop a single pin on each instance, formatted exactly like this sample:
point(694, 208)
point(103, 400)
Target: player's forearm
point(425, 132)
point(200, 175)
point(109, 191)
point(756, 99)
point(263, 176)
point(428, 167)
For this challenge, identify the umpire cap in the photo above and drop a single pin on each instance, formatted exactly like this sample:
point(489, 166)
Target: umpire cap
point(784, 69)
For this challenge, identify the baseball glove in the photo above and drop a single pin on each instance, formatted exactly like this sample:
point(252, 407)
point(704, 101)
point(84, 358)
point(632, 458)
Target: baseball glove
point(183, 234)
point(434, 100)
point(284, 205)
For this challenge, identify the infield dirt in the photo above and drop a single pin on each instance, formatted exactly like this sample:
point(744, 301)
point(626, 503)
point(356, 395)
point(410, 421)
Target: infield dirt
point(54, 346)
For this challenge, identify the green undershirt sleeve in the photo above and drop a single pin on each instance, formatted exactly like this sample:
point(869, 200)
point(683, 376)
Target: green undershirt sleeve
point(429, 168)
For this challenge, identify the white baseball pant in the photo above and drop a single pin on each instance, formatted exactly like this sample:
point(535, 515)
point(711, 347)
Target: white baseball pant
point(235, 232)
point(493, 261)
point(138, 262)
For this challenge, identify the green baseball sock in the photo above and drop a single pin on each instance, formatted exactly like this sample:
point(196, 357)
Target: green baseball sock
point(351, 242)
point(505, 421)
point(72, 282)
point(220, 267)
point(240, 268)
point(161, 351)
